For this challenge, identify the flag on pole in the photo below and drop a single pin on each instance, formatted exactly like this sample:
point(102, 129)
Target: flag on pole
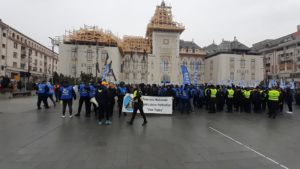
point(196, 73)
point(106, 71)
point(185, 75)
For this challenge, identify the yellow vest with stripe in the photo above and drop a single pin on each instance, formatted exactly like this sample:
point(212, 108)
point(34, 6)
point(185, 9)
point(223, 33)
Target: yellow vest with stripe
point(230, 93)
point(213, 93)
point(273, 95)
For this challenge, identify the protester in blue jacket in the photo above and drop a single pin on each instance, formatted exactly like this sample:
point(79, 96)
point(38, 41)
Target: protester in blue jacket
point(42, 92)
point(84, 90)
point(51, 93)
point(66, 95)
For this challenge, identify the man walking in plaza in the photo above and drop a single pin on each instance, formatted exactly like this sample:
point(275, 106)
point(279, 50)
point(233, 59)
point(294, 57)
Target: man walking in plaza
point(138, 105)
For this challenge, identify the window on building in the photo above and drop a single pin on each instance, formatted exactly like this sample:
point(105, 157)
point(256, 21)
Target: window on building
point(3, 57)
point(4, 34)
point(242, 76)
point(192, 65)
point(231, 75)
point(13, 35)
point(252, 63)
point(3, 45)
point(15, 45)
point(41, 63)
point(15, 64)
point(89, 69)
point(2, 67)
point(41, 70)
point(18, 37)
point(15, 55)
point(36, 53)
point(243, 63)
point(252, 76)
point(89, 55)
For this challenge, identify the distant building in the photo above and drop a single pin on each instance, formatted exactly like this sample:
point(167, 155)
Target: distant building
point(20, 54)
point(281, 56)
point(232, 61)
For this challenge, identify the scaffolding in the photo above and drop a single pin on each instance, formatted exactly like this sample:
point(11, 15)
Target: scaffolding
point(135, 44)
point(91, 35)
point(163, 21)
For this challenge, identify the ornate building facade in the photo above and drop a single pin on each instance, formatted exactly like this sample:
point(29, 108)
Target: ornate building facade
point(155, 58)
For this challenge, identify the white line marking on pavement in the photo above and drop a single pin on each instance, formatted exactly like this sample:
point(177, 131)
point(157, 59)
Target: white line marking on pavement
point(249, 148)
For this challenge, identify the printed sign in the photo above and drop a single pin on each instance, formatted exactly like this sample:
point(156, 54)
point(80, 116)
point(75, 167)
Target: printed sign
point(152, 105)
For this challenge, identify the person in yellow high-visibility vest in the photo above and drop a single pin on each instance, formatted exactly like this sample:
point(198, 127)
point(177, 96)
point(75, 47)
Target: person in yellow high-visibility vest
point(229, 99)
point(138, 105)
point(247, 100)
point(212, 93)
point(273, 101)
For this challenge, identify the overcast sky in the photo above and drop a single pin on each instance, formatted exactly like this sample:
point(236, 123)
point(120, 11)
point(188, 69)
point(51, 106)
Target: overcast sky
point(205, 20)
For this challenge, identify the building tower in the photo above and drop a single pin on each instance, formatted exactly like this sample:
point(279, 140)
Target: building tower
point(164, 36)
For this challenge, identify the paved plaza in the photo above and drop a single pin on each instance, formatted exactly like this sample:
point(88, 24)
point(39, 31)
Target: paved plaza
point(40, 139)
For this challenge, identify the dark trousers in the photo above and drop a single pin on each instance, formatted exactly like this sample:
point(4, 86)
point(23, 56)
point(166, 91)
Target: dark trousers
point(57, 96)
point(247, 106)
point(120, 105)
point(229, 103)
point(212, 105)
point(102, 112)
point(69, 104)
point(86, 100)
point(289, 104)
point(42, 98)
point(110, 110)
point(256, 106)
point(136, 107)
point(184, 105)
point(273, 106)
point(50, 96)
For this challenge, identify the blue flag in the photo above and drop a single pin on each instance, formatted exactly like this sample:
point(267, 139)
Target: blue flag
point(185, 75)
point(106, 71)
point(196, 73)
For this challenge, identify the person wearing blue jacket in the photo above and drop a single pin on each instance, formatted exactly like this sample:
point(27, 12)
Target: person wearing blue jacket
point(42, 92)
point(83, 90)
point(66, 95)
point(51, 93)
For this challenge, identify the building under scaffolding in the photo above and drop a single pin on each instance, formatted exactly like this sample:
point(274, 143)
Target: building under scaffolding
point(154, 58)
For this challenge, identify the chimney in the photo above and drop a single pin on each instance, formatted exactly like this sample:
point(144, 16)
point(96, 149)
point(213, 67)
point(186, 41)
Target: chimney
point(235, 39)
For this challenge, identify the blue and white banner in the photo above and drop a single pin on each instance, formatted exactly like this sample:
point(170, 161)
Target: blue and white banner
point(196, 73)
point(282, 84)
point(185, 75)
point(106, 71)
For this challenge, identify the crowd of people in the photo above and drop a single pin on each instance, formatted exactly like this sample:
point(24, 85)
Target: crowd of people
point(101, 97)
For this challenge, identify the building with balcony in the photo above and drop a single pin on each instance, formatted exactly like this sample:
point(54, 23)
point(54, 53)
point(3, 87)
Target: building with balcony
point(22, 56)
point(281, 56)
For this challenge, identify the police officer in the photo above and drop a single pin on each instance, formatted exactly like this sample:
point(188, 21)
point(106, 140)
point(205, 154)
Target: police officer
point(66, 95)
point(42, 93)
point(247, 100)
point(138, 105)
point(273, 101)
point(50, 93)
point(256, 100)
point(212, 94)
point(229, 100)
point(84, 97)
point(121, 92)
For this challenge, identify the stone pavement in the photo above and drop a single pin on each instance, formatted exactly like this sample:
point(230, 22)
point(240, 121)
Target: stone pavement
point(40, 139)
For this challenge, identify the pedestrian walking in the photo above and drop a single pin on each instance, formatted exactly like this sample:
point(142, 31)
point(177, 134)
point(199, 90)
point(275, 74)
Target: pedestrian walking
point(137, 105)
